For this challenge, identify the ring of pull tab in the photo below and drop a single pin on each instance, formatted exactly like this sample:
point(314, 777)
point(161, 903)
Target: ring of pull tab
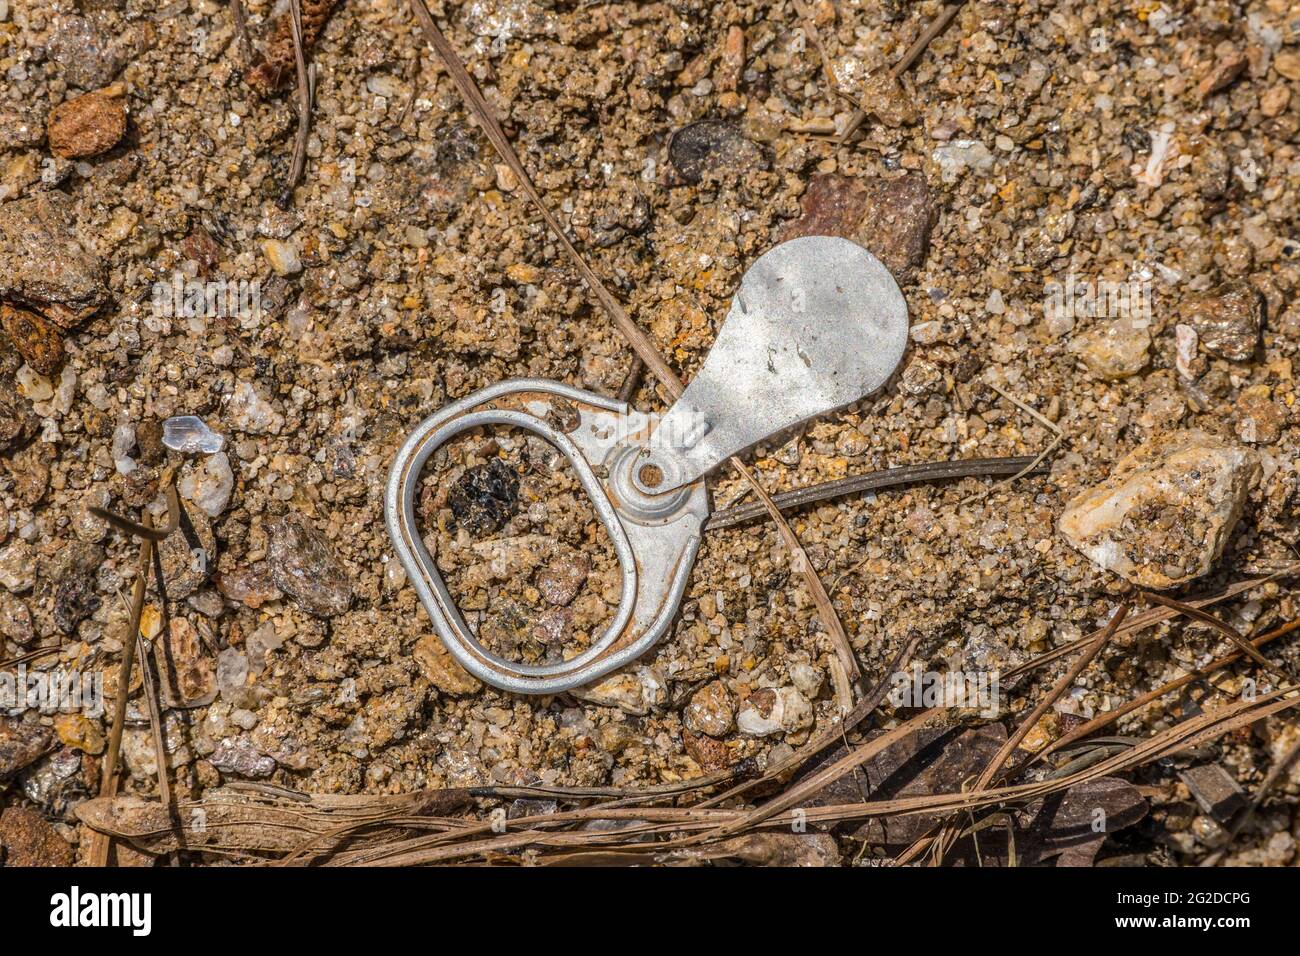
point(817, 323)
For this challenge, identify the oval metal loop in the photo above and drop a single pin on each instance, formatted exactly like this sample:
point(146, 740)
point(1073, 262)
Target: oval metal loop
point(646, 606)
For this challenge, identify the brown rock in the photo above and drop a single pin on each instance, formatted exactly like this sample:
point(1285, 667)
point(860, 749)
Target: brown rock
point(305, 567)
point(21, 743)
point(732, 60)
point(884, 97)
point(88, 125)
point(899, 216)
point(190, 672)
point(892, 218)
point(553, 627)
point(442, 670)
point(16, 621)
point(250, 585)
point(709, 753)
point(1115, 349)
point(1275, 100)
point(1223, 74)
point(17, 423)
point(27, 840)
point(561, 580)
point(711, 710)
point(39, 342)
point(1228, 320)
point(1165, 513)
point(43, 264)
point(202, 248)
point(832, 205)
point(1211, 167)
point(30, 470)
point(1287, 63)
point(1259, 419)
point(148, 441)
point(80, 733)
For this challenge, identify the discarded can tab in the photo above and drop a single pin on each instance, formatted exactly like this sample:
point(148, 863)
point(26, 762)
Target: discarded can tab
point(817, 323)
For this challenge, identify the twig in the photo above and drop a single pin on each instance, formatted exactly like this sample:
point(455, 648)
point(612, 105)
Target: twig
point(109, 781)
point(241, 27)
point(306, 91)
point(150, 688)
point(937, 26)
point(150, 685)
point(30, 656)
point(146, 531)
point(632, 380)
point(874, 481)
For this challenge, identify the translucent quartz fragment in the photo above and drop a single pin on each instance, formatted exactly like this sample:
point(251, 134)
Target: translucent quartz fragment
point(188, 433)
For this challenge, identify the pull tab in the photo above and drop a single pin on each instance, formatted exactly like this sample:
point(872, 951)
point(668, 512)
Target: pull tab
point(817, 323)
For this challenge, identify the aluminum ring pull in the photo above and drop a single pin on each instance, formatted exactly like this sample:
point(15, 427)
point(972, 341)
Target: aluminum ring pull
point(817, 323)
point(656, 536)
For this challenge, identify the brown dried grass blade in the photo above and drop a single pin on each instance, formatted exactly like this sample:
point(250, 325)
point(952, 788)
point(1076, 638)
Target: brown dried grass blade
point(1222, 627)
point(306, 89)
point(1112, 716)
point(949, 834)
point(1136, 622)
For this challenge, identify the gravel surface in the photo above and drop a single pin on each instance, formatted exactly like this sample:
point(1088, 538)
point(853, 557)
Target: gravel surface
point(1141, 157)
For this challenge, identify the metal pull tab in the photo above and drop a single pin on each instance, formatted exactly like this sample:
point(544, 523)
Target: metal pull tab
point(817, 323)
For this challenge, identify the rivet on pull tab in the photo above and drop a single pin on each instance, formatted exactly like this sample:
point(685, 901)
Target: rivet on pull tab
point(816, 324)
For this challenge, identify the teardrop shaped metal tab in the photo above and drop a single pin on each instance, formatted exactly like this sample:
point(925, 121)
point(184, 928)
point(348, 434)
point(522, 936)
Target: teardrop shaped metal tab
point(817, 323)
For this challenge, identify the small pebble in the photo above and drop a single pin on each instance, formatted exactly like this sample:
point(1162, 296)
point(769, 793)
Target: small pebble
point(188, 434)
point(208, 483)
point(304, 566)
point(711, 710)
point(1165, 513)
point(89, 124)
point(1227, 321)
